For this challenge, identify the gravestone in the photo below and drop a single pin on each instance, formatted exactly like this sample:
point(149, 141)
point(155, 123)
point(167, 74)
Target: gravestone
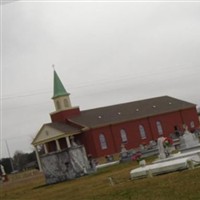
point(3, 175)
point(188, 140)
point(124, 154)
point(152, 144)
point(109, 158)
point(161, 148)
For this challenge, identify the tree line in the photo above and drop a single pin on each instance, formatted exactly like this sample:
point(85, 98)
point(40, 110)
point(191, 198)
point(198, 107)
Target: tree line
point(21, 161)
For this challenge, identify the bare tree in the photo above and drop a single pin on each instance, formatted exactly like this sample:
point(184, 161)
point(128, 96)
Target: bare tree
point(20, 160)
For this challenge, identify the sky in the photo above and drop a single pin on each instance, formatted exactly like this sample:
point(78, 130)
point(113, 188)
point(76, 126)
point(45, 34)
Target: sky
point(105, 53)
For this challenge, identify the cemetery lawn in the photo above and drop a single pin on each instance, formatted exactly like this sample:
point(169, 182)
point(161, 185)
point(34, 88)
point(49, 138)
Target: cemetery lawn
point(183, 185)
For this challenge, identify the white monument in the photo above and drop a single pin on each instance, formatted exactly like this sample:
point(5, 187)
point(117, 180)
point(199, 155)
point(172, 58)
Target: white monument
point(179, 161)
point(3, 175)
point(161, 148)
point(188, 140)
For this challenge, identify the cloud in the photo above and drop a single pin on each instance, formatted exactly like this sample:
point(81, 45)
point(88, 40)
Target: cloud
point(104, 53)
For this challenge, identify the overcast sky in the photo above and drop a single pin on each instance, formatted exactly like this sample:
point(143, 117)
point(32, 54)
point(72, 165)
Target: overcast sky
point(104, 52)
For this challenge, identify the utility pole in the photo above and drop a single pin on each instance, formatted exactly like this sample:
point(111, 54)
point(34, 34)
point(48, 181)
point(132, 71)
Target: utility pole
point(11, 162)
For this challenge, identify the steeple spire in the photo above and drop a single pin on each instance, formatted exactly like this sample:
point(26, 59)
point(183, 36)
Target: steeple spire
point(62, 102)
point(60, 95)
point(59, 89)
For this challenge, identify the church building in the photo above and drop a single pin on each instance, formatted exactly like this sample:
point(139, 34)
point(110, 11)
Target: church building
point(103, 130)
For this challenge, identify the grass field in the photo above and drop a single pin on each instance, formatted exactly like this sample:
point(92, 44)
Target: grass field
point(184, 185)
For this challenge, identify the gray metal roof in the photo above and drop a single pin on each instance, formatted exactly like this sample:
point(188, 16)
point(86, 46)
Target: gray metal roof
point(66, 128)
point(130, 111)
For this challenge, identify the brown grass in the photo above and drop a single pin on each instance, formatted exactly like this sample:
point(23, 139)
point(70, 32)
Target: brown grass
point(184, 185)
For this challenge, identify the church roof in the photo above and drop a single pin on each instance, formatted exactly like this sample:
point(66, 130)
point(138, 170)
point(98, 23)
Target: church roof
point(54, 130)
point(59, 89)
point(109, 115)
point(130, 111)
point(66, 128)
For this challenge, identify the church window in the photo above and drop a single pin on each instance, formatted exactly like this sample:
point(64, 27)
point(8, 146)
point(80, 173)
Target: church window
point(123, 136)
point(65, 102)
point(103, 142)
point(142, 132)
point(159, 128)
point(58, 104)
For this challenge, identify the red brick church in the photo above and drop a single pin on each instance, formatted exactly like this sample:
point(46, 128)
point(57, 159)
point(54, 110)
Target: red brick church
point(103, 130)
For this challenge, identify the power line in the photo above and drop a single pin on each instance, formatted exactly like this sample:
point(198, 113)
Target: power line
point(18, 138)
point(25, 95)
point(104, 81)
point(108, 81)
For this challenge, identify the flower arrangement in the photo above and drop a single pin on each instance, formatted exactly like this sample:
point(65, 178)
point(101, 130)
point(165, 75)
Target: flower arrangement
point(167, 142)
point(137, 156)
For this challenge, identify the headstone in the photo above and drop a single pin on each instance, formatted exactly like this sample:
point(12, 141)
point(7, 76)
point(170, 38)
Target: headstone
point(92, 163)
point(123, 152)
point(188, 139)
point(142, 147)
point(161, 148)
point(142, 163)
point(109, 158)
point(3, 175)
point(152, 144)
point(125, 155)
point(197, 132)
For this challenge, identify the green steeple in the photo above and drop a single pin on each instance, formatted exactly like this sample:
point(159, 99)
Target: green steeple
point(59, 89)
